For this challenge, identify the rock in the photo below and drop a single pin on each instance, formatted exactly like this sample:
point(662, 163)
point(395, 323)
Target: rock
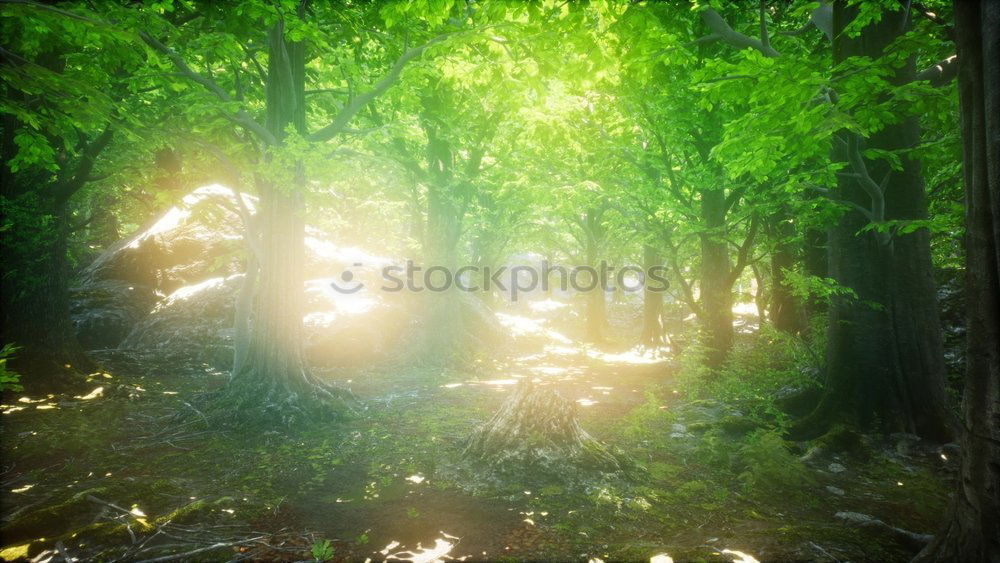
point(905, 443)
point(836, 468)
point(195, 240)
point(797, 401)
point(677, 427)
point(194, 252)
point(835, 490)
point(812, 454)
point(195, 322)
point(843, 439)
point(105, 312)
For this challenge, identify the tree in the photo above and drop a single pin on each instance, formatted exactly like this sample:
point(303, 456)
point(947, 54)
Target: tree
point(66, 95)
point(885, 358)
point(972, 529)
point(271, 378)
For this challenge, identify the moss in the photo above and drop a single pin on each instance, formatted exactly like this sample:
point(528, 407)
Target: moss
point(189, 511)
point(844, 439)
point(54, 519)
point(738, 425)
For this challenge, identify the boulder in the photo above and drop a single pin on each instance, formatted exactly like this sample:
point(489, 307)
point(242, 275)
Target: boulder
point(197, 239)
point(106, 311)
point(195, 322)
point(193, 254)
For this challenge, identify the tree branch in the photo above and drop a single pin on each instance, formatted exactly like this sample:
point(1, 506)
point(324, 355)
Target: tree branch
point(350, 110)
point(726, 34)
point(241, 117)
point(742, 258)
point(765, 41)
point(941, 73)
point(81, 175)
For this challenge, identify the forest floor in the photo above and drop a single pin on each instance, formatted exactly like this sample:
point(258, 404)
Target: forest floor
point(117, 474)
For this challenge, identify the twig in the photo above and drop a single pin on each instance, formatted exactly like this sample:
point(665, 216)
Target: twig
point(219, 545)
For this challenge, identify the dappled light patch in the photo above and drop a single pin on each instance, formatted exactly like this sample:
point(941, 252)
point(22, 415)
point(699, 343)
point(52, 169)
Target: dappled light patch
point(438, 552)
point(526, 326)
point(547, 305)
point(634, 356)
point(97, 392)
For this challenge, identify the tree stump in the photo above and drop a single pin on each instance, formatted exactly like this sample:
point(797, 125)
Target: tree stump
point(538, 428)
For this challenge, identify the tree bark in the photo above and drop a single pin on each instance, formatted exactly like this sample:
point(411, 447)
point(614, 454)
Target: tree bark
point(537, 428)
point(885, 359)
point(270, 380)
point(972, 530)
point(716, 287)
point(36, 300)
point(785, 313)
point(596, 299)
point(652, 303)
point(35, 289)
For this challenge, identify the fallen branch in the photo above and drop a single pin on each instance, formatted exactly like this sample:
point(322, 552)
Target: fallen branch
point(214, 546)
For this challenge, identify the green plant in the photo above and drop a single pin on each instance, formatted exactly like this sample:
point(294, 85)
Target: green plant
point(647, 422)
point(321, 550)
point(9, 380)
point(768, 466)
point(757, 369)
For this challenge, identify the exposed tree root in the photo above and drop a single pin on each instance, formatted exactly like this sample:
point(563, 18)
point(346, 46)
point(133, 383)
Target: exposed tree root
point(537, 428)
point(250, 400)
point(910, 539)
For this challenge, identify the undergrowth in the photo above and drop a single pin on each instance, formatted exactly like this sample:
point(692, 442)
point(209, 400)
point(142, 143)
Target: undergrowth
point(760, 369)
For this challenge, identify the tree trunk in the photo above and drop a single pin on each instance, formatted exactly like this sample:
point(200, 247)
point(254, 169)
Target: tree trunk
point(596, 299)
point(441, 332)
point(785, 314)
point(36, 298)
point(652, 303)
point(716, 288)
point(271, 381)
point(972, 531)
point(442, 328)
point(815, 262)
point(885, 359)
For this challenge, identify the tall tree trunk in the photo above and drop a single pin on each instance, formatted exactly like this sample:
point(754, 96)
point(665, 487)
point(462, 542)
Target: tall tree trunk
point(652, 303)
point(596, 299)
point(271, 378)
point(885, 359)
point(785, 313)
point(442, 328)
point(815, 262)
point(716, 287)
point(972, 531)
point(36, 296)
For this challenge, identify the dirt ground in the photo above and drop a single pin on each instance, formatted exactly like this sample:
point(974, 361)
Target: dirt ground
point(131, 471)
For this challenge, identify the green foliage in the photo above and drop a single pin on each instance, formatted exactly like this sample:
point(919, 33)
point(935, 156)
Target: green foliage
point(805, 287)
point(756, 371)
point(770, 468)
point(646, 424)
point(321, 550)
point(9, 379)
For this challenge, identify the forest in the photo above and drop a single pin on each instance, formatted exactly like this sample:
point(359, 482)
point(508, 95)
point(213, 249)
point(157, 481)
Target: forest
point(500, 280)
